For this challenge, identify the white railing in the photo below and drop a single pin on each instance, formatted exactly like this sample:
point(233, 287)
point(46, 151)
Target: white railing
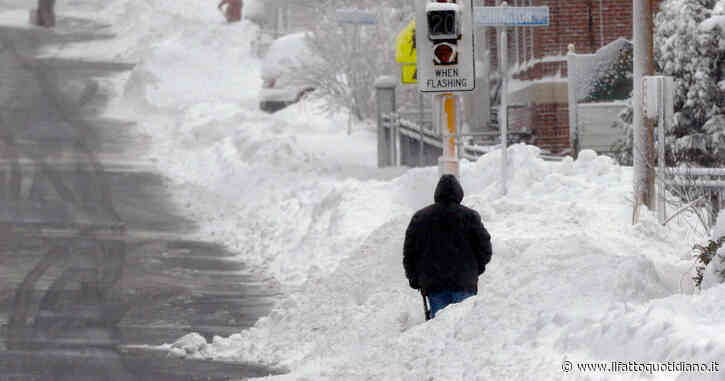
point(696, 171)
point(428, 139)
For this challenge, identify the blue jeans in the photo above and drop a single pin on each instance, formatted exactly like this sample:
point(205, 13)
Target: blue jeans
point(439, 300)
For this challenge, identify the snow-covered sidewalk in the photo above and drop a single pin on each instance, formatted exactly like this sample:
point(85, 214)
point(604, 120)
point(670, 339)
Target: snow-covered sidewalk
point(571, 279)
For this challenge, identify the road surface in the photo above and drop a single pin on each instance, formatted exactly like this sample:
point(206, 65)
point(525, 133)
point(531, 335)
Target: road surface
point(94, 258)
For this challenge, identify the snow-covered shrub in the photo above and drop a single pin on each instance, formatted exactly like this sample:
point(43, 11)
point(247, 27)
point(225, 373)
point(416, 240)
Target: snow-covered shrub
point(695, 56)
point(347, 76)
point(622, 148)
point(690, 46)
point(711, 258)
point(611, 77)
point(710, 262)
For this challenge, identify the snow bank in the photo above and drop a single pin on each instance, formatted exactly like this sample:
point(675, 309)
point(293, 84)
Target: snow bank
point(565, 256)
point(254, 11)
point(267, 188)
point(670, 329)
point(192, 343)
point(286, 53)
point(17, 18)
point(199, 63)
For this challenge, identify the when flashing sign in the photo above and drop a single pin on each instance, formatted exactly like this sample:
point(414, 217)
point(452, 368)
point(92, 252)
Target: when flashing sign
point(511, 16)
point(444, 46)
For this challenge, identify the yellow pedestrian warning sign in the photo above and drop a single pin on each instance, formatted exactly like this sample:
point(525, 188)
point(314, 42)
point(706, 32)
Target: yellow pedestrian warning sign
point(406, 55)
point(409, 73)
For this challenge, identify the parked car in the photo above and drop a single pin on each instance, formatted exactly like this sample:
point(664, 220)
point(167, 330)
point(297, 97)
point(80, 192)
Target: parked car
point(280, 88)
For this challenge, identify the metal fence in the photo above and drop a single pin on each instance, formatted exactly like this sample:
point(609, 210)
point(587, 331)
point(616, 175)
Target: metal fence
point(414, 144)
point(693, 186)
point(403, 141)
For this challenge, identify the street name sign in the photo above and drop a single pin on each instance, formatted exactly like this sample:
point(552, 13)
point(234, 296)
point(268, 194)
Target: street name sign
point(511, 16)
point(355, 16)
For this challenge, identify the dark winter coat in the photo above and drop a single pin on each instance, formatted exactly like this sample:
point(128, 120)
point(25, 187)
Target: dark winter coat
point(446, 246)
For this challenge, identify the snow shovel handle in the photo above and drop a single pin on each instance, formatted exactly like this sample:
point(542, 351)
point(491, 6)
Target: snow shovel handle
point(426, 308)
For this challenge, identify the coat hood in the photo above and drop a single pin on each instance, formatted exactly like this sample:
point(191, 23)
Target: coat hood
point(448, 190)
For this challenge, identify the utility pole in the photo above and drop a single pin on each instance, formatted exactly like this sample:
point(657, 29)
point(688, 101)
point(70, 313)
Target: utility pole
point(643, 146)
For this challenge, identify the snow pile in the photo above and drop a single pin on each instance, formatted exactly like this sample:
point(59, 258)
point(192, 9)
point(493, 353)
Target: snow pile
point(16, 18)
point(254, 10)
point(192, 343)
point(566, 259)
point(198, 63)
point(285, 53)
point(267, 188)
point(139, 25)
point(270, 187)
point(670, 329)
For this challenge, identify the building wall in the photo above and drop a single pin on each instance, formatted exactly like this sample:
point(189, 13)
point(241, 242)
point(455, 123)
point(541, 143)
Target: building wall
point(579, 22)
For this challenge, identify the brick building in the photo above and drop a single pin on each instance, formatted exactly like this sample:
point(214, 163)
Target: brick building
point(537, 60)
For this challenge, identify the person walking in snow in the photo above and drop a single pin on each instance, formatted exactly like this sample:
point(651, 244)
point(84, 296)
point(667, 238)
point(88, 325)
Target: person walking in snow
point(44, 15)
point(446, 248)
point(233, 10)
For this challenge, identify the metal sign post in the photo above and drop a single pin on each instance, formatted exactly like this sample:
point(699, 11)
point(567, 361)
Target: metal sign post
point(503, 111)
point(504, 17)
point(658, 103)
point(421, 145)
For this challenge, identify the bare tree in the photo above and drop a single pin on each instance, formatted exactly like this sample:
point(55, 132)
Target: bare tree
point(351, 58)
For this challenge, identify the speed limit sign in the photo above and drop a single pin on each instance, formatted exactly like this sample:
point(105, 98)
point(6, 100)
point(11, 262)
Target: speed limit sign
point(444, 40)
